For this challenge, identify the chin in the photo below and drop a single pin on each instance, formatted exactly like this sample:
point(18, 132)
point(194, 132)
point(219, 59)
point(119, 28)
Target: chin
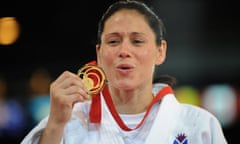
point(125, 86)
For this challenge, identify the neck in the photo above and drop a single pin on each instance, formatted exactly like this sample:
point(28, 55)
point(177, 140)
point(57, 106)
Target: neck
point(131, 101)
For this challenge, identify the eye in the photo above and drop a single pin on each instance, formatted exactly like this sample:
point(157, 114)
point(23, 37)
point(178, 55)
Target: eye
point(113, 42)
point(137, 41)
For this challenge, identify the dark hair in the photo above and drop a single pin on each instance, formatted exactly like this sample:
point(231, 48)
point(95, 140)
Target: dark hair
point(151, 18)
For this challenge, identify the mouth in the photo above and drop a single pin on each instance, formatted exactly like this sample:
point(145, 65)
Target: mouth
point(125, 67)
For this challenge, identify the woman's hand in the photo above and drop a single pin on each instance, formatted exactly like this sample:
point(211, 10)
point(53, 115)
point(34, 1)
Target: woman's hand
point(65, 91)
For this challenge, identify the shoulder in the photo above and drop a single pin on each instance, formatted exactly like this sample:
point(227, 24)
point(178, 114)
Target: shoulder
point(198, 115)
point(197, 111)
point(188, 114)
point(200, 122)
point(189, 108)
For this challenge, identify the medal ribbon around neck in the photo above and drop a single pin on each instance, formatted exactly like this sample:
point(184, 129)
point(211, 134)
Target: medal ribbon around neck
point(163, 92)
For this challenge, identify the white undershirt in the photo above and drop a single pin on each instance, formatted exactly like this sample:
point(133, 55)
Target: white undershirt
point(139, 134)
point(132, 120)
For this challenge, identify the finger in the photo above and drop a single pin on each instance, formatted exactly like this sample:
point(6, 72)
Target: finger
point(70, 100)
point(63, 76)
point(75, 89)
point(69, 79)
point(69, 96)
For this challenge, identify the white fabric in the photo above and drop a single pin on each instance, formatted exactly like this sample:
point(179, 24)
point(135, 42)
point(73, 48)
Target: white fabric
point(173, 119)
point(167, 120)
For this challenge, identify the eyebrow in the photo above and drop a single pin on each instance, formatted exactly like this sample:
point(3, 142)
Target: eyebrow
point(119, 33)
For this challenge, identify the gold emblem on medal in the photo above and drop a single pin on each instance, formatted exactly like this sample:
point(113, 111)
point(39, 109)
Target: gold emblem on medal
point(93, 77)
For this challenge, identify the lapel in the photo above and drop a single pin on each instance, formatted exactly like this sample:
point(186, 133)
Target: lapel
point(165, 122)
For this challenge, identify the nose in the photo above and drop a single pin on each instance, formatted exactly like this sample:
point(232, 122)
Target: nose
point(124, 50)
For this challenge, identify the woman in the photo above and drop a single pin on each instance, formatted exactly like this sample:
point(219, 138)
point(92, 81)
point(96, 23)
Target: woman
point(130, 44)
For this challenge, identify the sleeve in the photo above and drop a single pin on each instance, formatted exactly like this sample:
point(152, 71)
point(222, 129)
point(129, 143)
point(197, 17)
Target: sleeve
point(203, 126)
point(34, 135)
point(217, 132)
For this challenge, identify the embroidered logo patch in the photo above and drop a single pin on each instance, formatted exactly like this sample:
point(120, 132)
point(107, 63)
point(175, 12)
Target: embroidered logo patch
point(181, 139)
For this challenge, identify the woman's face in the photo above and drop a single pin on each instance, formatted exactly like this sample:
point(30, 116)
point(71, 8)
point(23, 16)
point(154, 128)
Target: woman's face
point(128, 52)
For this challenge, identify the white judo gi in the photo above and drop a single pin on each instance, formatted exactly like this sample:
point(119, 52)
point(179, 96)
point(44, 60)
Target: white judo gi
point(169, 122)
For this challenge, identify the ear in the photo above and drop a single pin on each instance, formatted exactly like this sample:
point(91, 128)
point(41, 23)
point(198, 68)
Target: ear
point(98, 54)
point(161, 52)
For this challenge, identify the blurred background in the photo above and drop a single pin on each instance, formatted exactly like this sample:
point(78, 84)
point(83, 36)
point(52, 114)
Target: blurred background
point(41, 39)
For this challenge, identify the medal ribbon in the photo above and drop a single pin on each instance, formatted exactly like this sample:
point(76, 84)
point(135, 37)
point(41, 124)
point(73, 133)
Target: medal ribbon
point(166, 90)
point(95, 111)
point(94, 79)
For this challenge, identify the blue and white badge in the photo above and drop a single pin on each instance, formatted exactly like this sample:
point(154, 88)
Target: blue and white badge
point(181, 139)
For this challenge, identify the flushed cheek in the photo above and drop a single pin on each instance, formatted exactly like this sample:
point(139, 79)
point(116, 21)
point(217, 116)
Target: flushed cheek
point(105, 54)
point(107, 61)
point(108, 57)
point(146, 56)
point(147, 62)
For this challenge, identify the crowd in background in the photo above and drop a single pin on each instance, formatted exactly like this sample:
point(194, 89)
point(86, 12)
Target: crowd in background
point(20, 114)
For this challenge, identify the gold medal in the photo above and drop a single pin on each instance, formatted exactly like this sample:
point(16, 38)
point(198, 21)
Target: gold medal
point(93, 77)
